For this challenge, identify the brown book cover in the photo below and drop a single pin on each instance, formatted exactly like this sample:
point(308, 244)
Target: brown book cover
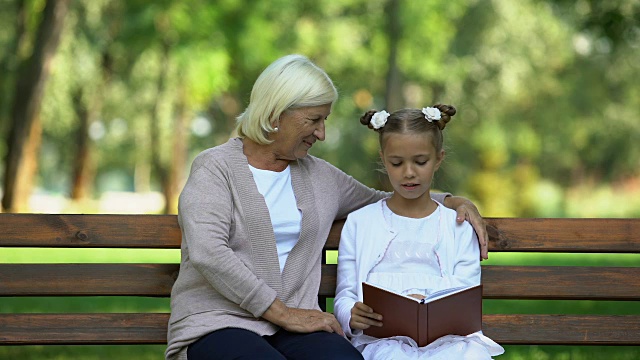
point(456, 311)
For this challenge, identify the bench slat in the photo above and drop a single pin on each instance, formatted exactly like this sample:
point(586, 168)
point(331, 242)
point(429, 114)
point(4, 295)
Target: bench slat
point(560, 282)
point(162, 231)
point(150, 328)
point(500, 282)
point(87, 279)
point(551, 235)
point(83, 329)
point(562, 329)
point(55, 230)
point(565, 235)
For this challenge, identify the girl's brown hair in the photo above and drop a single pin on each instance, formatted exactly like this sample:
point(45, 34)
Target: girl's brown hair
point(413, 121)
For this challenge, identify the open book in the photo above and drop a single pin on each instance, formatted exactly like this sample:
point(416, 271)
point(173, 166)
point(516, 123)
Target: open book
point(456, 311)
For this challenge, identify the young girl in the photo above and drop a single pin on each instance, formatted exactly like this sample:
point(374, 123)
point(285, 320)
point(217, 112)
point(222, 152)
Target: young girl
point(408, 242)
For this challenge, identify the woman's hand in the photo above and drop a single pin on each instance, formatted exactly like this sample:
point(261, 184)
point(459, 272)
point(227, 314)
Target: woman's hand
point(417, 296)
point(306, 321)
point(363, 317)
point(301, 320)
point(466, 210)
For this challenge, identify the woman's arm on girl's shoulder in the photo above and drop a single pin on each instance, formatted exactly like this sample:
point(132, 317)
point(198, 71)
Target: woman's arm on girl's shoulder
point(350, 193)
point(355, 195)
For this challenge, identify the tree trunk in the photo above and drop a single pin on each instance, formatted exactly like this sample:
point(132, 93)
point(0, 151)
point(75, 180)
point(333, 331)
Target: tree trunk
point(84, 170)
point(179, 153)
point(393, 94)
point(81, 179)
point(159, 170)
point(28, 168)
point(10, 58)
point(31, 80)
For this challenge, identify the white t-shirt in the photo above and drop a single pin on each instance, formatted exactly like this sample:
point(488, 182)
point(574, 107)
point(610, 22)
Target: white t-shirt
point(410, 264)
point(285, 216)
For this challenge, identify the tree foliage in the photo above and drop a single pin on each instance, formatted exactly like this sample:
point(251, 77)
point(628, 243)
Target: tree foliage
point(546, 90)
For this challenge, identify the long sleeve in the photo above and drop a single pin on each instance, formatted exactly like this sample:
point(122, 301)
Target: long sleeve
point(347, 284)
point(466, 270)
point(461, 257)
point(353, 195)
point(205, 213)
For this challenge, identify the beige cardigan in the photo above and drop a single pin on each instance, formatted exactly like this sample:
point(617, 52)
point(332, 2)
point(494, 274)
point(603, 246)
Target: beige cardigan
point(229, 269)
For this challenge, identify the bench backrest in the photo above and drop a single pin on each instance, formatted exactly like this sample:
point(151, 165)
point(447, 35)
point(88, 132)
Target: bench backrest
point(156, 280)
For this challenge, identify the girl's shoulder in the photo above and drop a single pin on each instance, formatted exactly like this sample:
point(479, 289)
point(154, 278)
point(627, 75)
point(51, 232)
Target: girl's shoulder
point(447, 214)
point(367, 212)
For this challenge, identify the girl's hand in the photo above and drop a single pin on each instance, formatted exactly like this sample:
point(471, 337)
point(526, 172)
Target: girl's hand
point(417, 296)
point(363, 317)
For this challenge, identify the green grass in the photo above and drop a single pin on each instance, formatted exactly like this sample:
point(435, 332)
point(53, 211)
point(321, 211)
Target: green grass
point(133, 304)
point(547, 259)
point(83, 352)
point(53, 256)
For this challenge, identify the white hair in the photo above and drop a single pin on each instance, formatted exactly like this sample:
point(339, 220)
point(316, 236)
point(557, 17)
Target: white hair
point(291, 82)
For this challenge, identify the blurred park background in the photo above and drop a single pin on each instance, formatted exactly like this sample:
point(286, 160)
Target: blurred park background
point(104, 104)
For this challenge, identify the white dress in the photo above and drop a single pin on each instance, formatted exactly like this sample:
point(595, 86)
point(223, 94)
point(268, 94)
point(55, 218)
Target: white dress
point(411, 266)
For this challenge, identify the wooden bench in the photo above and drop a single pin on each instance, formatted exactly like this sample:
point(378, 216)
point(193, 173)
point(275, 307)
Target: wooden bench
point(155, 280)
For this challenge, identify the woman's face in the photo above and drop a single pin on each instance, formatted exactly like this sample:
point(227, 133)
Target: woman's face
point(298, 130)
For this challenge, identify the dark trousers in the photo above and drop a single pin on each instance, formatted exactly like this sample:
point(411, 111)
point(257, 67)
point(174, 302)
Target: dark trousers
point(232, 343)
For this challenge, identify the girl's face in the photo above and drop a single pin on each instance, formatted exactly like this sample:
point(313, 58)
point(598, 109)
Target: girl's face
point(298, 130)
point(410, 161)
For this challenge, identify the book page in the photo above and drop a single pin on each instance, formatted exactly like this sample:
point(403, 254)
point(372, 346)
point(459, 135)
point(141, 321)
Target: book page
point(439, 294)
point(391, 291)
point(446, 292)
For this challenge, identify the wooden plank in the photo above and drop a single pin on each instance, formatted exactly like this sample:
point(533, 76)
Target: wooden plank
point(83, 329)
point(150, 328)
point(551, 235)
point(561, 282)
point(87, 279)
point(500, 282)
point(562, 329)
point(564, 235)
point(162, 231)
point(333, 240)
point(542, 282)
point(90, 231)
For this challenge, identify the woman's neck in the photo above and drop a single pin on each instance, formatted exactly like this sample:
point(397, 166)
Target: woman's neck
point(412, 208)
point(262, 156)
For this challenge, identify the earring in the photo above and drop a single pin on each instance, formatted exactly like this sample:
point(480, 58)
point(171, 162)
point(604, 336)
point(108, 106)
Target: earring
point(275, 129)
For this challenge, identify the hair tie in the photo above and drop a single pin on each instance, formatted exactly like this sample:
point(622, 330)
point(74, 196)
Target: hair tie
point(379, 119)
point(432, 114)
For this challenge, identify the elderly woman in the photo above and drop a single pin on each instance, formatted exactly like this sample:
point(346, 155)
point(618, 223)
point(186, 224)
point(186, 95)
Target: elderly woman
point(255, 213)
